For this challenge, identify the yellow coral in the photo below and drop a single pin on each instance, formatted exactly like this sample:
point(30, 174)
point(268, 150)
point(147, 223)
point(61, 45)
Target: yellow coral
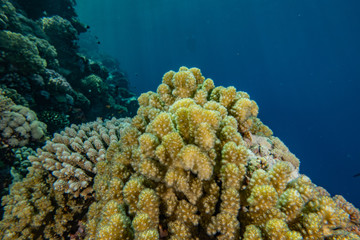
point(252, 233)
point(131, 191)
point(262, 198)
point(225, 96)
point(149, 203)
point(193, 159)
point(161, 125)
point(231, 153)
point(279, 176)
point(312, 226)
point(205, 136)
point(291, 204)
point(276, 229)
point(226, 224)
point(232, 175)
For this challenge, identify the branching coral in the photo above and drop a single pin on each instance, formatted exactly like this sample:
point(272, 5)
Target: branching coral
point(34, 210)
point(72, 154)
point(47, 203)
point(210, 169)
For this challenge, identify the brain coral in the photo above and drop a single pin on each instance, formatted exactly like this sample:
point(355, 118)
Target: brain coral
point(195, 163)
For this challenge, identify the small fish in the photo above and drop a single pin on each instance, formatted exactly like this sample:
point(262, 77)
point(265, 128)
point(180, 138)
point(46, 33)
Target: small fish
point(357, 175)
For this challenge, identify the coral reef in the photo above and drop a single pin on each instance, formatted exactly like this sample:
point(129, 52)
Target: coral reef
point(62, 8)
point(13, 95)
point(53, 198)
point(41, 68)
point(194, 163)
point(58, 83)
point(40, 59)
point(62, 35)
point(21, 52)
point(34, 210)
point(193, 166)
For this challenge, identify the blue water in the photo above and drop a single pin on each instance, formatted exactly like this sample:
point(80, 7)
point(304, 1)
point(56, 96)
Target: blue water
point(299, 60)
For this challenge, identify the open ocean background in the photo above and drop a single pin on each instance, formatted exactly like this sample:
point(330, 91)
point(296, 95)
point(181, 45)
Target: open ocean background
point(299, 60)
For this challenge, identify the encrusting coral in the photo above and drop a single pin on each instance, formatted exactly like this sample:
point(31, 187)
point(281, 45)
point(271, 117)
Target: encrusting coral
point(195, 163)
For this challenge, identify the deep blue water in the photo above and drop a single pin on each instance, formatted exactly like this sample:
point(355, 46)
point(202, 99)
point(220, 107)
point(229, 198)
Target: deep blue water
point(299, 60)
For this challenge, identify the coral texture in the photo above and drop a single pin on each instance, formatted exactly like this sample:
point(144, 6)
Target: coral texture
point(197, 163)
point(58, 83)
point(93, 85)
point(51, 200)
point(19, 125)
point(72, 154)
point(21, 52)
point(21, 163)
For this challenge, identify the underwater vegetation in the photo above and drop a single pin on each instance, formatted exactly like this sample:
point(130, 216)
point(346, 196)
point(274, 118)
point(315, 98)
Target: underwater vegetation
point(194, 163)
